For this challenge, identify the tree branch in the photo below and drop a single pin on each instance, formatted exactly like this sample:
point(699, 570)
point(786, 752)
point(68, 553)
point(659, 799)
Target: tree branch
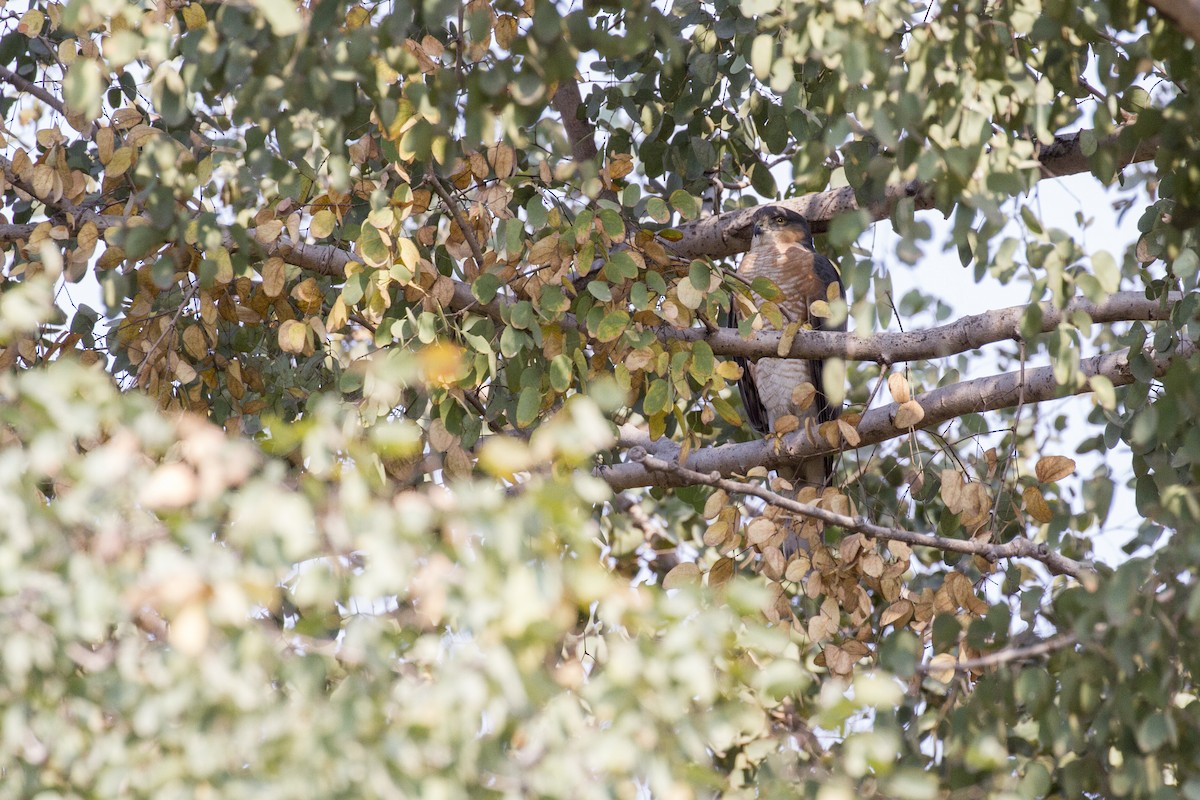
point(940, 405)
point(1017, 548)
point(567, 101)
point(439, 188)
point(1184, 13)
point(967, 333)
point(1044, 647)
point(727, 234)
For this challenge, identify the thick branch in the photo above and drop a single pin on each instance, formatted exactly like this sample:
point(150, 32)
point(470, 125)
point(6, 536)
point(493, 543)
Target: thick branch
point(967, 333)
point(729, 233)
point(567, 101)
point(1017, 548)
point(940, 405)
point(1184, 13)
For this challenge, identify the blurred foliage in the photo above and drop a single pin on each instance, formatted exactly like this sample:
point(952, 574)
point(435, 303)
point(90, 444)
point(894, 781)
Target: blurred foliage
point(303, 505)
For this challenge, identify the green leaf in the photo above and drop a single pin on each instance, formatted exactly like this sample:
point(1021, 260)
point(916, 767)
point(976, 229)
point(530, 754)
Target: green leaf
point(529, 406)
point(485, 287)
point(703, 361)
point(600, 290)
point(685, 204)
point(560, 373)
point(612, 326)
point(765, 288)
point(699, 275)
point(658, 397)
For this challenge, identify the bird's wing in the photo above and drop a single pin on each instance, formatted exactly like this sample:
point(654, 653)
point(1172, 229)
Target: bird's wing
point(753, 404)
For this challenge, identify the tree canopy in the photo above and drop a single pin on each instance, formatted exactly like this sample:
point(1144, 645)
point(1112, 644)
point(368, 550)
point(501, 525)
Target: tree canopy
point(370, 423)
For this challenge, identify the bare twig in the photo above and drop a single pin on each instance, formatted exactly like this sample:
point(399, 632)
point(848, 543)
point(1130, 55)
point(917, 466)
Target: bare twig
point(1044, 647)
point(439, 188)
point(29, 87)
point(1017, 548)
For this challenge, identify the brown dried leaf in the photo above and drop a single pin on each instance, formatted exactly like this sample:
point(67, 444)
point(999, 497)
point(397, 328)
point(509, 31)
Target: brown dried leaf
point(849, 434)
point(899, 613)
point(941, 667)
point(786, 424)
point(272, 276)
point(716, 501)
point(720, 573)
point(908, 414)
point(797, 568)
point(898, 386)
point(1036, 505)
point(1052, 468)
point(803, 396)
point(716, 534)
point(760, 530)
point(837, 660)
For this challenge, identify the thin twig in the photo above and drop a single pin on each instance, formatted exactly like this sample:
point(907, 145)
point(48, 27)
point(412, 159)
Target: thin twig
point(1044, 647)
point(439, 188)
point(1017, 548)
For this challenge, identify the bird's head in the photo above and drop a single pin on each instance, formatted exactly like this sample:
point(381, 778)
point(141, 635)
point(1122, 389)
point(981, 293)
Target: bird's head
point(778, 223)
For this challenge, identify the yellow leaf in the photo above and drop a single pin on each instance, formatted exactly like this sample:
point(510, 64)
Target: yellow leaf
point(292, 336)
point(729, 370)
point(505, 456)
point(908, 414)
point(309, 296)
point(1052, 468)
point(819, 309)
point(338, 315)
point(322, 223)
point(122, 159)
point(506, 31)
point(786, 338)
point(681, 575)
point(898, 386)
point(941, 667)
point(268, 231)
point(31, 23)
point(1036, 505)
point(193, 16)
point(272, 276)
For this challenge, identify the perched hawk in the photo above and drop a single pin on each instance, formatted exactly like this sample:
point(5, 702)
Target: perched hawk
point(782, 250)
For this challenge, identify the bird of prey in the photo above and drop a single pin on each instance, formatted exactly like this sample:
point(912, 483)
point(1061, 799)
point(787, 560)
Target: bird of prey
point(783, 251)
